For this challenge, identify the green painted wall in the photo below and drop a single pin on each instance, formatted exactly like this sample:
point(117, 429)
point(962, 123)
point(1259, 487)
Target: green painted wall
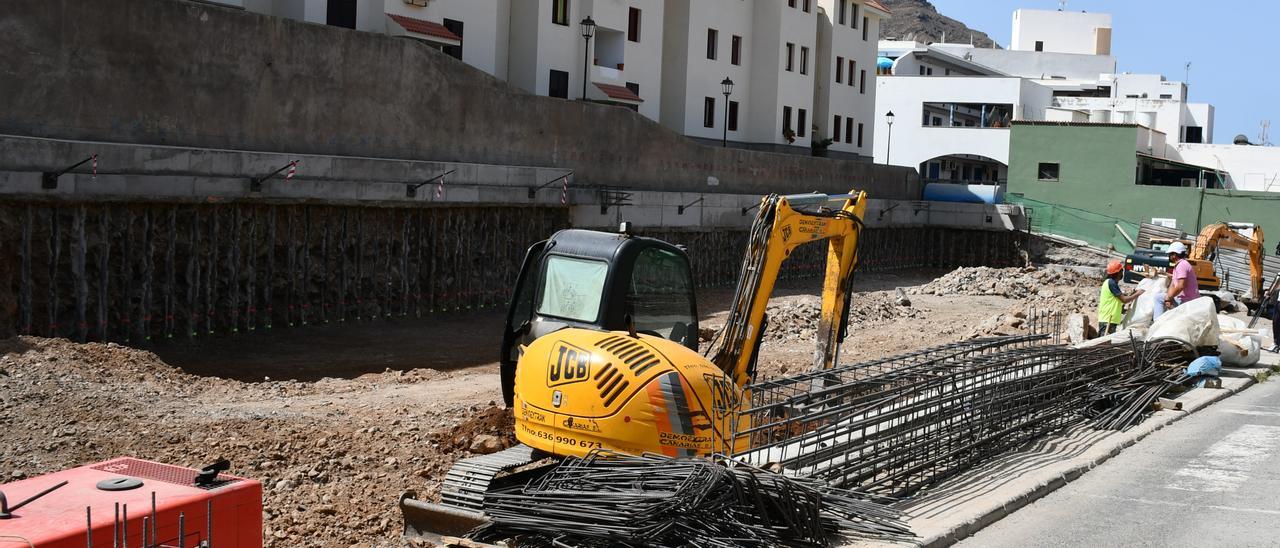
point(1096, 189)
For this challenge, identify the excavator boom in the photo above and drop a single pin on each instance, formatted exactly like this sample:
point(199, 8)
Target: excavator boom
point(783, 224)
point(1218, 235)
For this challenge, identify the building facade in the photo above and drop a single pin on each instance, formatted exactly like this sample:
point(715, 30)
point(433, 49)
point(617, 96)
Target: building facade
point(1059, 69)
point(666, 59)
point(1097, 182)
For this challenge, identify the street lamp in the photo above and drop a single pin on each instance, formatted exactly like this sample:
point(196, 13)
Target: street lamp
point(726, 86)
point(888, 147)
point(588, 30)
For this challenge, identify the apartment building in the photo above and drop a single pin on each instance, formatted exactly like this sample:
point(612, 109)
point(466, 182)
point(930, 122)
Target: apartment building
point(781, 57)
point(798, 67)
point(845, 89)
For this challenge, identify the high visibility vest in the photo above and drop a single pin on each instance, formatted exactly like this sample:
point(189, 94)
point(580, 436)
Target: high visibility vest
point(1110, 307)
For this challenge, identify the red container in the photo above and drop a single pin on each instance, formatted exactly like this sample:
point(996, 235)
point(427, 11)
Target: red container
point(59, 519)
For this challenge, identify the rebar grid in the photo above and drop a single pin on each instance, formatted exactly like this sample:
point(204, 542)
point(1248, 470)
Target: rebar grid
point(608, 499)
point(895, 425)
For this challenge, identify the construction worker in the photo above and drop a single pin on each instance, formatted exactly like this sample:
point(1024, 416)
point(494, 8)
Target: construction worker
point(1111, 300)
point(1275, 319)
point(1183, 287)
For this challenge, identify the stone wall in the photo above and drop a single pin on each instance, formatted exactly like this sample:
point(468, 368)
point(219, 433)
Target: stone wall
point(174, 72)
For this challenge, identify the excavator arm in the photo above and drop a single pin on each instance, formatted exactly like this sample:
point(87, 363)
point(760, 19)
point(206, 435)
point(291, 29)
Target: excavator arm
point(783, 224)
point(1222, 235)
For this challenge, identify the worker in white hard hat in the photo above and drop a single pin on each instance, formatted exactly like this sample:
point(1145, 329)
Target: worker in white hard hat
point(1183, 287)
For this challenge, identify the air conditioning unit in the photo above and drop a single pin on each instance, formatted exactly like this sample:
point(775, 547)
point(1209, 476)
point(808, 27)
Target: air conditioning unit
point(422, 3)
point(1189, 182)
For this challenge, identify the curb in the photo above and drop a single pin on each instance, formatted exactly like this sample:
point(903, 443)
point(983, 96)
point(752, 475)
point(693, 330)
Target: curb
point(1234, 381)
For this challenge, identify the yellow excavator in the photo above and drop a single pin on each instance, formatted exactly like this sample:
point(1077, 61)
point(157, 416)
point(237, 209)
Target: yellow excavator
point(600, 348)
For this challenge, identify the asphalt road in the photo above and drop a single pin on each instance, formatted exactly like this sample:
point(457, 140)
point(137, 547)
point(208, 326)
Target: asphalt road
point(1211, 479)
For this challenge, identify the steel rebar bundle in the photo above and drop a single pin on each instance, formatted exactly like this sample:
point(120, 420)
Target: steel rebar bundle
point(608, 499)
point(895, 425)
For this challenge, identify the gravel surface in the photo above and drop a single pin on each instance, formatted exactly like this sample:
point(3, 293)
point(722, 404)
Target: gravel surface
point(333, 454)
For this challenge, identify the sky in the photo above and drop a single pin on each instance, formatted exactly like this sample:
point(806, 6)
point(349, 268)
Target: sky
point(1228, 43)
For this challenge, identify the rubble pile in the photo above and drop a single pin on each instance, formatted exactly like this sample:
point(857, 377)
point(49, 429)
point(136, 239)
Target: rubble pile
point(332, 455)
point(796, 318)
point(1017, 283)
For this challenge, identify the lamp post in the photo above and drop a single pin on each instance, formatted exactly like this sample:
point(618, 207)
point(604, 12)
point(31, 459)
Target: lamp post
point(588, 30)
point(726, 86)
point(888, 147)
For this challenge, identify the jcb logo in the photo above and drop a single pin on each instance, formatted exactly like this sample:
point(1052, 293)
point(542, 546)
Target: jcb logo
point(569, 364)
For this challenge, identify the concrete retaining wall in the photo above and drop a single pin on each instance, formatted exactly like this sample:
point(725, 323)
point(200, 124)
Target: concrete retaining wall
point(171, 72)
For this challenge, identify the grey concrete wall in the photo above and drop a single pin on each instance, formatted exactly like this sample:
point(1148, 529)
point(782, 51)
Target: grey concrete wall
point(171, 72)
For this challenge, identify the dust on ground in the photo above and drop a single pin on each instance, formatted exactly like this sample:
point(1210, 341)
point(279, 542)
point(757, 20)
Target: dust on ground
point(338, 421)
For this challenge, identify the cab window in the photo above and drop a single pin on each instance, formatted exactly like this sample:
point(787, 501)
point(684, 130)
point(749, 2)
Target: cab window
point(660, 295)
point(572, 288)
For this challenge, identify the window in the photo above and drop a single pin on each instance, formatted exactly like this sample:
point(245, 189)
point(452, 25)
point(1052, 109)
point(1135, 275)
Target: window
point(835, 129)
point(733, 116)
point(572, 288)
point(560, 12)
point(844, 7)
point(848, 129)
point(558, 86)
point(709, 112)
point(1166, 96)
point(456, 28)
point(800, 123)
point(854, 10)
point(864, 29)
point(661, 296)
point(791, 3)
point(712, 37)
point(859, 134)
point(928, 71)
point(1039, 45)
point(341, 13)
point(1195, 134)
point(791, 57)
point(853, 69)
point(634, 87)
point(921, 70)
point(862, 85)
point(735, 50)
point(1048, 172)
point(839, 70)
point(804, 60)
point(786, 119)
point(633, 25)
point(806, 6)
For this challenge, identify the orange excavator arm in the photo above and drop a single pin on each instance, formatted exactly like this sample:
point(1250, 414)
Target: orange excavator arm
point(1222, 235)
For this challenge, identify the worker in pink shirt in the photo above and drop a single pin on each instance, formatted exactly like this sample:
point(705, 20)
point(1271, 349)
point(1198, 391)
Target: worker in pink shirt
point(1183, 287)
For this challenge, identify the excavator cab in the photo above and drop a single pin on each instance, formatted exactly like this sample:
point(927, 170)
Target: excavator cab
point(600, 281)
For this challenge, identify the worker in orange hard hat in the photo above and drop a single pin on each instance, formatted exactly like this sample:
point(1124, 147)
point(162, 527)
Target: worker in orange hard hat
point(1111, 300)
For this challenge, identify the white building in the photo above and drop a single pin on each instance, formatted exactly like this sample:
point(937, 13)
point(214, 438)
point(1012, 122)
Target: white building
point(955, 130)
point(1059, 69)
point(666, 59)
point(845, 89)
point(1061, 32)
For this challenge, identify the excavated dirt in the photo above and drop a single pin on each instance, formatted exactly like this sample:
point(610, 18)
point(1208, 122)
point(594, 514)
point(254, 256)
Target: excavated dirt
point(406, 399)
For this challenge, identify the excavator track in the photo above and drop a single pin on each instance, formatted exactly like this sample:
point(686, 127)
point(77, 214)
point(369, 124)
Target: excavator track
point(461, 506)
point(467, 481)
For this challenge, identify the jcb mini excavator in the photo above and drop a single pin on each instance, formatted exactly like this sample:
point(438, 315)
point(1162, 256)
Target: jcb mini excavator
point(600, 348)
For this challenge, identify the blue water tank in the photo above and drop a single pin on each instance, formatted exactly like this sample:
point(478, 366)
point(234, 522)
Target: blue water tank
point(973, 194)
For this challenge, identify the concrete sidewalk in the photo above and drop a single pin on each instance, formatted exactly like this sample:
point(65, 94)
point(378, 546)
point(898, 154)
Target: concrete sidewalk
point(962, 505)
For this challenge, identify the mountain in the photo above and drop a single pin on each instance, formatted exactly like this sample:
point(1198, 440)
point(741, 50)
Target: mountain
point(919, 20)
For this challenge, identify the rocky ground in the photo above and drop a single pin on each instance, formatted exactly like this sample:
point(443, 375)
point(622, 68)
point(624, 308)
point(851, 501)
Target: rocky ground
point(405, 400)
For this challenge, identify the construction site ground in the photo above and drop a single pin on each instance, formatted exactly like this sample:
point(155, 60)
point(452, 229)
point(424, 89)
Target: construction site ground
point(337, 420)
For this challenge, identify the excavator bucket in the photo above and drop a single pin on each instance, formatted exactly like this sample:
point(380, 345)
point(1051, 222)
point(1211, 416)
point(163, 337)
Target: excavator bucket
point(437, 523)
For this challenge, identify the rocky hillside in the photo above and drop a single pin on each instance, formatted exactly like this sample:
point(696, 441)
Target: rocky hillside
point(919, 20)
